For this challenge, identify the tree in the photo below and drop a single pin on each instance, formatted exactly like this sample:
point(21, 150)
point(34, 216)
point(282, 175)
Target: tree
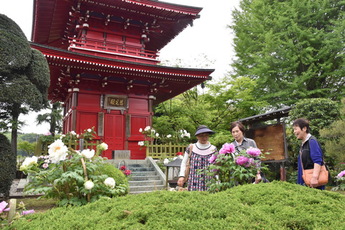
point(24, 77)
point(54, 118)
point(321, 113)
point(293, 48)
point(27, 147)
point(334, 136)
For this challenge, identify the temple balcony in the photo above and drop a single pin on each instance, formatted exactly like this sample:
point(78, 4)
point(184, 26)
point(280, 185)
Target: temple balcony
point(114, 50)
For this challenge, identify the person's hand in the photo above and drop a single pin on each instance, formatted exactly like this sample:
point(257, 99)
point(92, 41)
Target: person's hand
point(257, 178)
point(314, 182)
point(180, 181)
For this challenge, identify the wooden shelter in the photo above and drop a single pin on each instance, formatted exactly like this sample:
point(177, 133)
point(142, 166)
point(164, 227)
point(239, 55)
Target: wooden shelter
point(104, 67)
point(270, 137)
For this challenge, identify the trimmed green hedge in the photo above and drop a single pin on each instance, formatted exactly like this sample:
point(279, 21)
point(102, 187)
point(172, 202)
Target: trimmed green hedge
point(276, 205)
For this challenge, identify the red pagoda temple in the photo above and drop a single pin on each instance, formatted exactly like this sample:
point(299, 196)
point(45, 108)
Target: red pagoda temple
point(103, 63)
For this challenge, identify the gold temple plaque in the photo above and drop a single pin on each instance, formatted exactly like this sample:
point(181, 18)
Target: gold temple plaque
point(116, 102)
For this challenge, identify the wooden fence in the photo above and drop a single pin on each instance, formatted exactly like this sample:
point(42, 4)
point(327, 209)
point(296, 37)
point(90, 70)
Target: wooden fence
point(162, 151)
point(42, 148)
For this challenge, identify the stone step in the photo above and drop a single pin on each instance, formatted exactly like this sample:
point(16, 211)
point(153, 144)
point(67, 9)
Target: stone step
point(146, 188)
point(144, 178)
point(141, 169)
point(145, 183)
point(21, 184)
point(144, 173)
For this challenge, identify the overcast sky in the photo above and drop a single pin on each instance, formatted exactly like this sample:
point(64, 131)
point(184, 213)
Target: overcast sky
point(209, 36)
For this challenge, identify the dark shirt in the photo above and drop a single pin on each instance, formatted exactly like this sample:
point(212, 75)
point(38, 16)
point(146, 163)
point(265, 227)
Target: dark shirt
point(311, 153)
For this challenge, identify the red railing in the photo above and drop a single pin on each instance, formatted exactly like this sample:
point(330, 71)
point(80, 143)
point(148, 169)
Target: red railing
point(112, 48)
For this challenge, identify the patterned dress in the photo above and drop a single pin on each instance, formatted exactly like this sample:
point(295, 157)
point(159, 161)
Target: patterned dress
point(199, 161)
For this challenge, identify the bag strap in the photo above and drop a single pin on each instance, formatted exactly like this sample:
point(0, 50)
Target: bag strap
point(190, 151)
point(323, 161)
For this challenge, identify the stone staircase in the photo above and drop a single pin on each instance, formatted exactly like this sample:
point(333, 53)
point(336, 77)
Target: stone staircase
point(146, 176)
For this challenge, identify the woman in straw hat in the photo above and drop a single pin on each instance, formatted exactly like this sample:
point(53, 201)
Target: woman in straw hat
point(198, 155)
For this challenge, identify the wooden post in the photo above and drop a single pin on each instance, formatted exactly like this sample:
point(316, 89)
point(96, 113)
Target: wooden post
point(166, 178)
point(12, 212)
point(282, 172)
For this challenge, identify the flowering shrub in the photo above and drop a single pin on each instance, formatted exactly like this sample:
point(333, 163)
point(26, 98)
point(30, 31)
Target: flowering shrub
point(229, 169)
point(151, 136)
point(340, 180)
point(6, 217)
point(70, 176)
point(179, 155)
point(125, 171)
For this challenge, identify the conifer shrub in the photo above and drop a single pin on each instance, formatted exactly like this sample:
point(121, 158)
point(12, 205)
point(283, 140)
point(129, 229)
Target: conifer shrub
point(276, 205)
point(7, 166)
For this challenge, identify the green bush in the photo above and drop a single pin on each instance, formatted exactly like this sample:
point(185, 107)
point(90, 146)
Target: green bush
point(276, 205)
point(111, 171)
point(7, 166)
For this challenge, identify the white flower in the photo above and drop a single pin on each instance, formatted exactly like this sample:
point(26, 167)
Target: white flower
point(153, 131)
point(87, 153)
point(180, 157)
point(185, 135)
point(73, 133)
point(169, 136)
point(140, 130)
point(57, 151)
point(89, 130)
point(88, 185)
point(166, 161)
point(110, 182)
point(29, 160)
point(157, 134)
point(141, 143)
point(103, 146)
point(147, 128)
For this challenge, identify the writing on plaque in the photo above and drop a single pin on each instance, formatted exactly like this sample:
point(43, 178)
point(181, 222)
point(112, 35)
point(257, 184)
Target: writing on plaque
point(115, 102)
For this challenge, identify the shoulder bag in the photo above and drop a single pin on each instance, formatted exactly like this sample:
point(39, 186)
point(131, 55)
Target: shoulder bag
point(307, 174)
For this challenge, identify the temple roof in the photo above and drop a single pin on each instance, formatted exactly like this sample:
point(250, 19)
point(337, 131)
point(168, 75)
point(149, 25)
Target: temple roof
point(275, 114)
point(70, 69)
point(52, 23)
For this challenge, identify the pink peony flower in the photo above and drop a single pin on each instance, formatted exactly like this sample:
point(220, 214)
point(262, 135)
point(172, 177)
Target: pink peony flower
point(212, 159)
point(341, 174)
point(3, 205)
point(227, 148)
point(45, 165)
point(253, 152)
point(127, 172)
point(250, 162)
point(28, 212)
point(241, 160)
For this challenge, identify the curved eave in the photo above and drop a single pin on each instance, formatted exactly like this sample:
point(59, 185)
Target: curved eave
point(177, 80)
point(50, 18)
